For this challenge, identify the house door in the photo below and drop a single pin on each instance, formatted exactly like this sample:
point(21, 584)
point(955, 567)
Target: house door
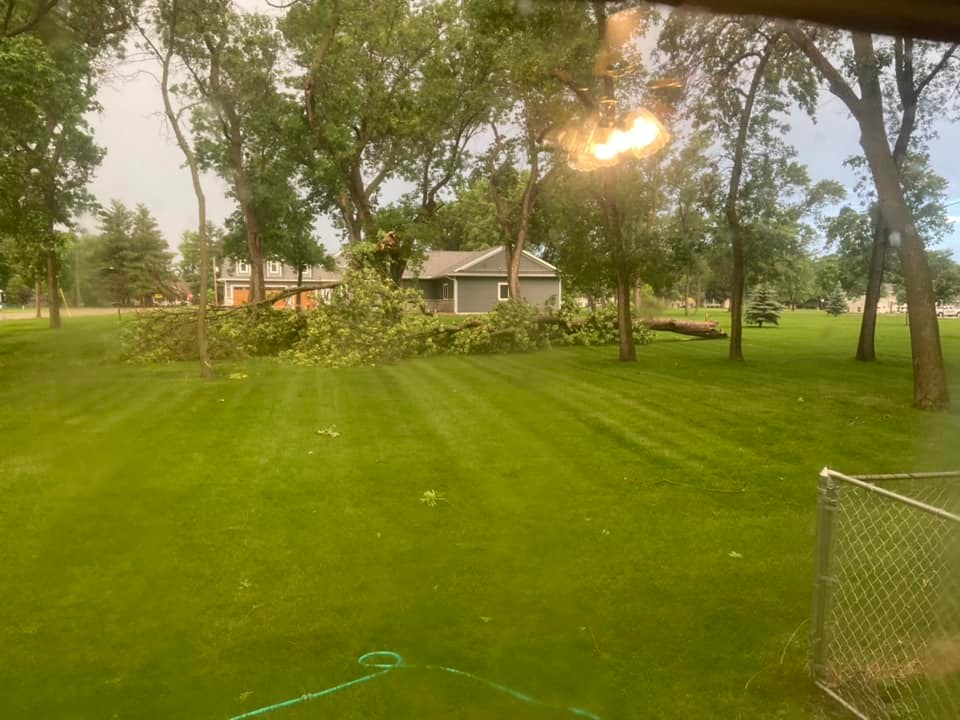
point(241, 295)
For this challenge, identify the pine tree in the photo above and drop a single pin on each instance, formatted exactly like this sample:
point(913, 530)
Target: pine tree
point(763, 307)
point(836, 302)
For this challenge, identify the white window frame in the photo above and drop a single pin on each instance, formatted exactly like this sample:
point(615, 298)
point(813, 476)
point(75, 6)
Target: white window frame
point(243, 267)
point(273, 267)
point(500, 296)
point(308, 271)
point(445, 291)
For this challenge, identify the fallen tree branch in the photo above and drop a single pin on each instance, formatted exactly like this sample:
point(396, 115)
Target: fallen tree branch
point(703, 329)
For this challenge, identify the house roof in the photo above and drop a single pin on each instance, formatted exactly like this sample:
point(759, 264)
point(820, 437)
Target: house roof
point(440, 263)
point(450, 263)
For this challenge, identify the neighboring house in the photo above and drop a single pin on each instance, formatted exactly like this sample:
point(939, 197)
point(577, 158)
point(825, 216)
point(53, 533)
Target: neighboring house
point(234, 277)
point(475, 281)
point(451, 281)
point(888, 302)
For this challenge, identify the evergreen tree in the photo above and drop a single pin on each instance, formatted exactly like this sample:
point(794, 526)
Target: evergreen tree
point(836, 302)
point(763, 307)
point(131, 255)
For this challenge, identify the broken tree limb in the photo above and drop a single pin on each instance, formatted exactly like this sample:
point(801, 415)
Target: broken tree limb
point(707, 329)
point(702, 329)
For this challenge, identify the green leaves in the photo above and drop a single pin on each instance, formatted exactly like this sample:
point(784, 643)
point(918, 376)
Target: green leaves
point(131, 258)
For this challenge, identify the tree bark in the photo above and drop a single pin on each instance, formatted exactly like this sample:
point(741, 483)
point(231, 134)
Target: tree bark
point(732, 205)
point(866, 344)
point(736, 297)
point(705, 329)
point(621, 266)
point(930, 390)
point(299, 296)
point(166, 59)
point(251, 219)
point(36, 298)
point(53, 290)
point(628, 348)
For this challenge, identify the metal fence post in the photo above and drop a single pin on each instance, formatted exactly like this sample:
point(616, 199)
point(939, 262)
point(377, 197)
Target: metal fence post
point(826, 512)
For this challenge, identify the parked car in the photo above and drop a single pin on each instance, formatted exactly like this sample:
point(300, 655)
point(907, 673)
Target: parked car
point(948, 311)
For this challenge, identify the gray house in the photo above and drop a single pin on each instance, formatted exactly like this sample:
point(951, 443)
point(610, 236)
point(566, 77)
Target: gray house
point(475, 281)
point(451, 281)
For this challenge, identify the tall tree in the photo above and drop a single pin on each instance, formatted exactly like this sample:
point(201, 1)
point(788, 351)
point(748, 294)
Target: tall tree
point(159, 30)
point(391, 91)
point(742, 78)
point(49, 65)
point(131, 256)
point(233, 62)
point(885, 160)
point(540, 56)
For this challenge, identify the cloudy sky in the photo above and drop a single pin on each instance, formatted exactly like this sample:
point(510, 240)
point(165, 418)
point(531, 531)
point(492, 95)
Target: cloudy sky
point(144, 165)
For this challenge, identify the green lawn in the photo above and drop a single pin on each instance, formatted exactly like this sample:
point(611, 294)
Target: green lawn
point(171, 548)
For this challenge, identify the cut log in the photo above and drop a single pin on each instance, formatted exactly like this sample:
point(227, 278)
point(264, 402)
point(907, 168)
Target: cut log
point(702, 329)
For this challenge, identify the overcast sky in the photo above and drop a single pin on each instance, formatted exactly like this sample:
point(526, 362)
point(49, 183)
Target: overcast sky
point(144, 165)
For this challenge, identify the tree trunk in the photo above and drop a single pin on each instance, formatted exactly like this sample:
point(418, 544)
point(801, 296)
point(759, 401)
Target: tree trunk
point(686, 295)
point(254, 246)
point(628, 349)
point(736, 297)
point(36, 298)
point(514, 255)
point(866, 344)
point(297, 302)
point(930, 391)
point(733, 200)
point(206, 368)
point(624, 276)
point(53, 290)
point(708, 329)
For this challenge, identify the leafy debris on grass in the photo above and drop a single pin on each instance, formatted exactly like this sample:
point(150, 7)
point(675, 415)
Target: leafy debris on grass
point(330, 431)
point(431, 498)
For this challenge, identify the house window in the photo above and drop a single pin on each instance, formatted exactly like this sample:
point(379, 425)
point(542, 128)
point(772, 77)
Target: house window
point(307, 271)
point(445, 291)
point(243, 267)
point(503, 291)
point(273, 267)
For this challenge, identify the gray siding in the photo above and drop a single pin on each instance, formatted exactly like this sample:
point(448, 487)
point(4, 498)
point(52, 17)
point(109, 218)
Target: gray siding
point(431, 289)
point(498, 264)
point(479, 294)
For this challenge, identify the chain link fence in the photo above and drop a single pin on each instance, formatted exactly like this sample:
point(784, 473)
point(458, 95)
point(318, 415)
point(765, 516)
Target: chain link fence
point(886, 609)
